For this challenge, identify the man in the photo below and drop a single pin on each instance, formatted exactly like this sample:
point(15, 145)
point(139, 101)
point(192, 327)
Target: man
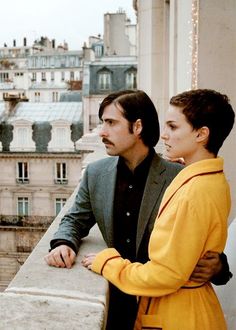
point(122, 195)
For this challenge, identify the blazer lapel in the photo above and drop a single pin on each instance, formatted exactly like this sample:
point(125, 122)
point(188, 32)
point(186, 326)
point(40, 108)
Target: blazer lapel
point(108, 184)
point(151, 197)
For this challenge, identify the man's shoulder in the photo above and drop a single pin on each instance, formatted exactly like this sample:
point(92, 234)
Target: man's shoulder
point(166, 165)
point(103, 164)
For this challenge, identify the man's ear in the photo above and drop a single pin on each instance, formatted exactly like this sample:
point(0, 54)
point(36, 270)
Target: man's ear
point(137, 127)
point(203, 134)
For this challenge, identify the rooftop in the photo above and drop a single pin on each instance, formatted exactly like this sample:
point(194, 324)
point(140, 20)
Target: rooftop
point(39, 112)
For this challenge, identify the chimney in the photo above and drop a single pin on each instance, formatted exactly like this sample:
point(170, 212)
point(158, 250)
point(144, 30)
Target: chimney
point(24, 42)
point(14, 42)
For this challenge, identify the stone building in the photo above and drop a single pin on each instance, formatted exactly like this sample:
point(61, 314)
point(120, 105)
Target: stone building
point(110, 64)
point(103, 76)
point(51, 100)
point(40, 169)
point(41, 72)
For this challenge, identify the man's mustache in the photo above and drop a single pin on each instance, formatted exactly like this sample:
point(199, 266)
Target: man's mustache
point(104, 140)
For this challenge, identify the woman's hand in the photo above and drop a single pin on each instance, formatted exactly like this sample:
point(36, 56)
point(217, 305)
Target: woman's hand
point(88, 260)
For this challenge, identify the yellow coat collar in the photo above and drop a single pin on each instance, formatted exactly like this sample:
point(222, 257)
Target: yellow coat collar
point(202, 167)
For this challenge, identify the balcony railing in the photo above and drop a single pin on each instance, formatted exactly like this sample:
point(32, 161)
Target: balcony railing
point(43, 297)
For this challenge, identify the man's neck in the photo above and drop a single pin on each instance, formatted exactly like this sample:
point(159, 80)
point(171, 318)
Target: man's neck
point(136, 157)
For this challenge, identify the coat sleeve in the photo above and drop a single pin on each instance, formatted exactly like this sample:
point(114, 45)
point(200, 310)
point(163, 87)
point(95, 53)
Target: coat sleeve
point(176, 244)
point(77, 223)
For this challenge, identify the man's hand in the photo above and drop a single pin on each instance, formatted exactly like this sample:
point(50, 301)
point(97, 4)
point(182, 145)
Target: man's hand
point(62, 256)
point(207, 267)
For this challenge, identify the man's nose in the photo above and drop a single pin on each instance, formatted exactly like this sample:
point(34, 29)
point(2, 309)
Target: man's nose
point(102, 131)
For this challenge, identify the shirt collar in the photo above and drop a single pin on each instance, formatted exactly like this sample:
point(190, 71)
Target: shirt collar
point(142, 167)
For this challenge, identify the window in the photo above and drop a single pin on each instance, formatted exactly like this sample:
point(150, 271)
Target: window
point(43, 75)
point(61, 173)
point(52, 61)
point(23, 206)
point(98, 50)
point(4, 76)
point(22, 136)
point(72, 61)
point(131, 80)
point(54, 96)
point(104, 80)
point(52, 76)
point(18, 74)
point(22, 172)
point(72, 75)
point(63, 61)
point(60, 136)
point(60, 202)
point(62, 76)
point(37, 97)
point(43, 61)
point(33, 76)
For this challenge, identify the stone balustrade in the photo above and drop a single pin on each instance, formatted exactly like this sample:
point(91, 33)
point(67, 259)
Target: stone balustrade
point(43, 297)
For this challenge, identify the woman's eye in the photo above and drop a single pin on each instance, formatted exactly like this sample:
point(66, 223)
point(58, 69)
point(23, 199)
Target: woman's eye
point(172, 127)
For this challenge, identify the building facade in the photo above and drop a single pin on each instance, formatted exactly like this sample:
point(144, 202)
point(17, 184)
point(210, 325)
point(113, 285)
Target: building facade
point(110, 64)
point(41, 72)
point(40, 168)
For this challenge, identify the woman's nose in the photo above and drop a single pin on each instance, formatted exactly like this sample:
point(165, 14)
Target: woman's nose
point(163, 135)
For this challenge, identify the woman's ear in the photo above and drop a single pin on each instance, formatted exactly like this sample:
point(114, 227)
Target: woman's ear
point(203, 134)
point(137, 127)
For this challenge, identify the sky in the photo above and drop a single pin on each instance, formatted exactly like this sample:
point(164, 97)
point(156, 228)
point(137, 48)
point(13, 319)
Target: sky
point(72, 21)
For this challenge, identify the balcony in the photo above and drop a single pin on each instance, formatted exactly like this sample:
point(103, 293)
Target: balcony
point(42, 297)
point(22, 180)
point(61, 181)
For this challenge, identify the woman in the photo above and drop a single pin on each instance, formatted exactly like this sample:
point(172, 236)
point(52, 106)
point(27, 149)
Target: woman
point(192, 220)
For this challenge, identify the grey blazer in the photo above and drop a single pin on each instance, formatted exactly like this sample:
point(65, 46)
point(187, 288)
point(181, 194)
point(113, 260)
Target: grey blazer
point(94, 203)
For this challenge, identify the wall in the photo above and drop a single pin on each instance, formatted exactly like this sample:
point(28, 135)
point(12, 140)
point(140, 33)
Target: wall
point(41, 189)
point(15, 245)
point(42, 297)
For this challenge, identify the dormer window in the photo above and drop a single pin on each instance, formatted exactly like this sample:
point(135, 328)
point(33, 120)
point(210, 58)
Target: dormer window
point(104, 80)
point(22, 136)
point(61, 136)
point(131, 79)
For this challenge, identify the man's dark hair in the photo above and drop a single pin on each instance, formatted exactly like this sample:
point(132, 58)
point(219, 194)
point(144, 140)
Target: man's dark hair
point(206, 107)
point(136, 105)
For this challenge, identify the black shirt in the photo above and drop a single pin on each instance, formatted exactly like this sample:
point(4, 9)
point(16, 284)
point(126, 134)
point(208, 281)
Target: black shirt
point(128, 196)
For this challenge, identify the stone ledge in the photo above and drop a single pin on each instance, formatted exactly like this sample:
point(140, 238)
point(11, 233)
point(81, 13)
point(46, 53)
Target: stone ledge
point(43, 297)
point(22, 311)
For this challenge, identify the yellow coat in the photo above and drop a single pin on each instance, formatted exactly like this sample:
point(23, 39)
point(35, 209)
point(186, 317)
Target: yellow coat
point(192, 220)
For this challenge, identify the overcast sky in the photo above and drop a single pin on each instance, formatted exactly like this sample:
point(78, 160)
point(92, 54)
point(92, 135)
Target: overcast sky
point(70, 20)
